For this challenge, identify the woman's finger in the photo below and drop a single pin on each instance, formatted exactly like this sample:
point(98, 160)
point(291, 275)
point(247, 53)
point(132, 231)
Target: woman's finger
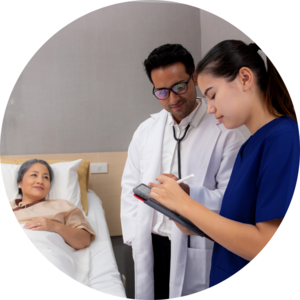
point(31, 226)
point(170, 176)
point(28, 224)
point(162, 179)
point(154, 193)
point(37, 228)
point(151, 184)
point(34, 222)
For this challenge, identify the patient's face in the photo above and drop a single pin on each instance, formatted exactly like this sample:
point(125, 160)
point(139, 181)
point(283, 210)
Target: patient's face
point(35, 184)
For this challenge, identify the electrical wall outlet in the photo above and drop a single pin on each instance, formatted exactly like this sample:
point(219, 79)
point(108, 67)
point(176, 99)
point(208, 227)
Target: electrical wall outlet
point(98, 168)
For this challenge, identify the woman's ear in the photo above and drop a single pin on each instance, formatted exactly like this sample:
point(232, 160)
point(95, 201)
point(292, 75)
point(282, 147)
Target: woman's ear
point(19, 188)
point(195, 78)
point(246, 78)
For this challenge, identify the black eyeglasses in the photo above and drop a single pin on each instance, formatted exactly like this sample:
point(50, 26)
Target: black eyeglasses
point(178, 89)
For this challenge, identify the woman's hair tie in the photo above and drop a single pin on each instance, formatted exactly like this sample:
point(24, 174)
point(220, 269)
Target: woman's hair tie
point(254, 47)
point(260, 53)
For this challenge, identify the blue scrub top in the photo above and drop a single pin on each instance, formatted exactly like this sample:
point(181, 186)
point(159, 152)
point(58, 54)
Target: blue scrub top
point(261, 186)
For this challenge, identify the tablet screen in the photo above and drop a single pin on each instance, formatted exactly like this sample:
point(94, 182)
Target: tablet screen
point(144, 189)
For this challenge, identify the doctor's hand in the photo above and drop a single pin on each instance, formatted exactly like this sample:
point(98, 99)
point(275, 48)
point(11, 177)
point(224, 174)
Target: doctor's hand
point(184, 186)
point(168, 193)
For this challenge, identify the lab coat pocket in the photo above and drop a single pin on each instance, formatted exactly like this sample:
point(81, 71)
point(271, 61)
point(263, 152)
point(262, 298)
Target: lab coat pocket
point(198, 242)
point(197, 271)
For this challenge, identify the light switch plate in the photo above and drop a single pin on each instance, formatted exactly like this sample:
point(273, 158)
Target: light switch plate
point(98, 168)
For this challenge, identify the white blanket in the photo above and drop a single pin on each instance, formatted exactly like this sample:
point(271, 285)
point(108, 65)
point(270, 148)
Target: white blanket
point(104, 274)
point(94, 266)
point(74, 263)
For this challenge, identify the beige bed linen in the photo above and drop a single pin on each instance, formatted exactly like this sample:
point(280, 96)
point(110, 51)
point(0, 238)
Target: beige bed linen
point(61, 211)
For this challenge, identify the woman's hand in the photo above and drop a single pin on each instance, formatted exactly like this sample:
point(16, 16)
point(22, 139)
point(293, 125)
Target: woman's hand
point(168, 193)
point(75, 237)
point(41, 223)
point(184, 186)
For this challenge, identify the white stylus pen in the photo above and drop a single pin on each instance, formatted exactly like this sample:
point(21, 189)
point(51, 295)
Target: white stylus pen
point(185, 178)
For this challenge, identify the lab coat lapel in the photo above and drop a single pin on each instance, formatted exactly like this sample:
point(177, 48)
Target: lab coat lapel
point(144, 253)
point(200, 148)
point(196, 161)
point(178, 261)
point(153, 148)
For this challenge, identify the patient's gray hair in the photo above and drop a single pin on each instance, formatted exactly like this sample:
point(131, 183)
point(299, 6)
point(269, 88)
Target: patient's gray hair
point(24, 168)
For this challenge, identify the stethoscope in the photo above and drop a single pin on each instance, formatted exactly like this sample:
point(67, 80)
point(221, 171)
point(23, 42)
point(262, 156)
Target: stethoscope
point(178, 140)
point(178, 147)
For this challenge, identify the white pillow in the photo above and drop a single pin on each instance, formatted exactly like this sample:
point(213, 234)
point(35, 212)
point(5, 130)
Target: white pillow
point(64, 185)
point(9, 175)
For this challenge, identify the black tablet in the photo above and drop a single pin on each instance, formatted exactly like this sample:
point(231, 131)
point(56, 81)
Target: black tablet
point(142, 192)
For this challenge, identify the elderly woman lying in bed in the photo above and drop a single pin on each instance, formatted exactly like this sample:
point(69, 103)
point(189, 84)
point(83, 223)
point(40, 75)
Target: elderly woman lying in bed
point(59, 216)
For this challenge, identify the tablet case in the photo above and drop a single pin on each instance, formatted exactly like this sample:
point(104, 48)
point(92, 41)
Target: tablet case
point(144, 196)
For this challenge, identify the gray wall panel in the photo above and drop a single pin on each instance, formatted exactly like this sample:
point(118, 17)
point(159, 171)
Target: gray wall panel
point(85, 90)
point(215, 30)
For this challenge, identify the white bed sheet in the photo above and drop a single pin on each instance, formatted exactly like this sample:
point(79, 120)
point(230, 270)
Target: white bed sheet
point(75, 263)
point(104, 275)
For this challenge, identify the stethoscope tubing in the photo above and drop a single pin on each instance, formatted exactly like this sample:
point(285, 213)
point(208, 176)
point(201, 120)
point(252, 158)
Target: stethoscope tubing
point(178, 147)
point(179, 159)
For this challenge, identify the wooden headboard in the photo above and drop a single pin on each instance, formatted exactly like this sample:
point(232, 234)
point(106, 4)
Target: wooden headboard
point(107, 186)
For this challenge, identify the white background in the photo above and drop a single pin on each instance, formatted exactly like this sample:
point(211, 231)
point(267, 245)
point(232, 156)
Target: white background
point(26, 26)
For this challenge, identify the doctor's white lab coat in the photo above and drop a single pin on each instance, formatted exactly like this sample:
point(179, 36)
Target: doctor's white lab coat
point(211, 150)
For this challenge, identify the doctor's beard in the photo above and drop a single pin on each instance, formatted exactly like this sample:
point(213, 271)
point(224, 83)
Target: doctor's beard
point(184, 111)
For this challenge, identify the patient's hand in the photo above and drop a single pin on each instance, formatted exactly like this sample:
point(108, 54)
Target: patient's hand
point(77, 238)
point(184, 186)
point(41, 223)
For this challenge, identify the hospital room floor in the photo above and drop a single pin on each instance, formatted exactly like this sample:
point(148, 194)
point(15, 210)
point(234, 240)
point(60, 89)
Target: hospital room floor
point(125, 264)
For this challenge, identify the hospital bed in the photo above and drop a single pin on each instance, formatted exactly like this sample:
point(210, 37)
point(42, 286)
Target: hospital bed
point(103, 274)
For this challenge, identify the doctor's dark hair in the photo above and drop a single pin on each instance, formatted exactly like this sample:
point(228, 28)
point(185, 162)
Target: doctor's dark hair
point(167, 55)
point(26, 165)
point(229, 56)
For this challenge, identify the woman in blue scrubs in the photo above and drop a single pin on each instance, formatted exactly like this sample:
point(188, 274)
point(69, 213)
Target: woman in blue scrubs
point(242, 90)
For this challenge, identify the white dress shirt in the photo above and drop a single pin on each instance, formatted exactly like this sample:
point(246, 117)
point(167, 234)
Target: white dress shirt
point(161, 224)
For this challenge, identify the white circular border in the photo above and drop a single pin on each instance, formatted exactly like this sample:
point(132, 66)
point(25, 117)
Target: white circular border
point(27, 25)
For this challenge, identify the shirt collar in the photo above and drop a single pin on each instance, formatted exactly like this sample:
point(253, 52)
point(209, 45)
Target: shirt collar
point(21, 205)
point(195, 121)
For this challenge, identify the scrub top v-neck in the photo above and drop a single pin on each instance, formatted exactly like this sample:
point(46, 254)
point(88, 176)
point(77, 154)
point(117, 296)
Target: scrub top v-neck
point(261, 186)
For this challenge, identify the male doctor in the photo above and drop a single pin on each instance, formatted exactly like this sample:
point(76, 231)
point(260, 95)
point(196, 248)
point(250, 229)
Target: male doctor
point(167, 262)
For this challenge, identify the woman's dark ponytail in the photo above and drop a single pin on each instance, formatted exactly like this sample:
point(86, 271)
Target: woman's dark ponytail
point(278, 99)
point(228, 57)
